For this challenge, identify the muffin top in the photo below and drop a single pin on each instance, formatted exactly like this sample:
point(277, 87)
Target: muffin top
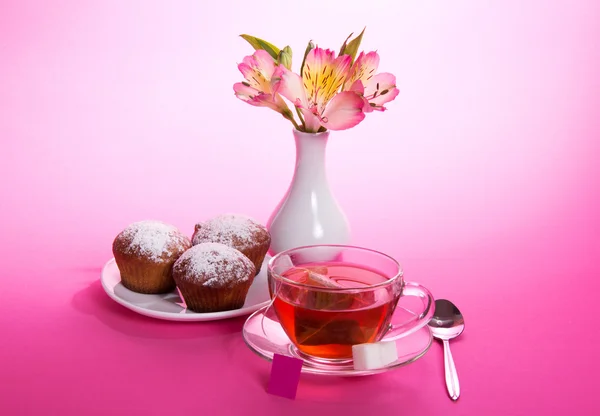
point(213, 265)
point(233, 230)
point(151, 240)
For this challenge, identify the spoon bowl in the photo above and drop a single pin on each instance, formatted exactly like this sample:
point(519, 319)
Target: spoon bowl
point(447, 322)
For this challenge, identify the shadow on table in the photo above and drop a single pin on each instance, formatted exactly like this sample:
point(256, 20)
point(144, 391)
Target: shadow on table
point(365, 392)
point(93, 301)
point(381, 389)
point(352, 392)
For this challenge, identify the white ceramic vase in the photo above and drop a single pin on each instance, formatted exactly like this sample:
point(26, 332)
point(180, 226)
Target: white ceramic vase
point(308, 214)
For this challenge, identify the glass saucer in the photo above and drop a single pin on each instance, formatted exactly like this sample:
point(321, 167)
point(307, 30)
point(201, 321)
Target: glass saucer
point(264, 335)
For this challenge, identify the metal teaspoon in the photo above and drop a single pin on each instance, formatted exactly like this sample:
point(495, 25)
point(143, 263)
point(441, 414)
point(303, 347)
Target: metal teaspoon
point(448, 323)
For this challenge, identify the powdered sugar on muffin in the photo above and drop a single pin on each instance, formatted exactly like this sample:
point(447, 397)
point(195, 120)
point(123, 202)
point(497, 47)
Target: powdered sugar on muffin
point(213, 265)
point(145, 252)
point(154, 240)
point(237, 231)
point(233, 230)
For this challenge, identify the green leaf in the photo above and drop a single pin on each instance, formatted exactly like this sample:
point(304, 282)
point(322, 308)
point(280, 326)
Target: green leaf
point(309, 48)
point(343, 48)
point(352, 48)
point(262, 44)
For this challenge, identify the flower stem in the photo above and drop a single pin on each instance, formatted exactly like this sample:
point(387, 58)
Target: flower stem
point(296, 126)
point(300, 117)
point(288, 115)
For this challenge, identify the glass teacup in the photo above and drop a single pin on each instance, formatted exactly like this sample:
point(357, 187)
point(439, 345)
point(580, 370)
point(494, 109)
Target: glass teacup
point(328, 298)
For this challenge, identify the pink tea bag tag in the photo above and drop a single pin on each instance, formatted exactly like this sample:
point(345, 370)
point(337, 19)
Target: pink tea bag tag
point(285, 376)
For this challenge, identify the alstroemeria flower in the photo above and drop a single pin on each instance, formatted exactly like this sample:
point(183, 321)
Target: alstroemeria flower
point(316, 94)
point(377, 89)
point(258, 70)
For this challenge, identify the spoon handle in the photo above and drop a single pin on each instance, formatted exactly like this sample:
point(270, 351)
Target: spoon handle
point(450, 370)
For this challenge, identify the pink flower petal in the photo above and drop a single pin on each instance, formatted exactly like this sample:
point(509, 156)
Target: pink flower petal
point(357, 86)
point(311, 121)
point(265, 62)
point(317, 58)
point(244, 92)
point(257, 98)
point(246, 69)
point(289, 85)
point(258, 69)
point(249, 60)
point(344, 111)
point(370, 61)
point(324, 75)
point(363, 69)
point(381, 89)
point(381, 100)
point(380, 82)
point(273, 102)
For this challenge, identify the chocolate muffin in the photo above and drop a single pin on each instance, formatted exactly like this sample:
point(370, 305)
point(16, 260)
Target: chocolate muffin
point(237, 231)
point(145, 252)
point(213, 277)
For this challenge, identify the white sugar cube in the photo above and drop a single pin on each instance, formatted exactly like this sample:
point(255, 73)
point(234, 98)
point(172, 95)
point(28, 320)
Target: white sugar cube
point(375, 355)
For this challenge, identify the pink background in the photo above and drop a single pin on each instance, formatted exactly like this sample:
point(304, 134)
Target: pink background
point(482, 179)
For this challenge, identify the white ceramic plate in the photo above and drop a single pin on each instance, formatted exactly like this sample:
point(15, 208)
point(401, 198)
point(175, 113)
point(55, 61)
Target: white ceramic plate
point(171, 307)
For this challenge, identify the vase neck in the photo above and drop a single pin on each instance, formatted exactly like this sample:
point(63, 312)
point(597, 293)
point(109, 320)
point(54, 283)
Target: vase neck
point(310, 153)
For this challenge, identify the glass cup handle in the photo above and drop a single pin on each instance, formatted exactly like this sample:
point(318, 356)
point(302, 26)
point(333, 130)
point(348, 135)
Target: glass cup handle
point(397, 331)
